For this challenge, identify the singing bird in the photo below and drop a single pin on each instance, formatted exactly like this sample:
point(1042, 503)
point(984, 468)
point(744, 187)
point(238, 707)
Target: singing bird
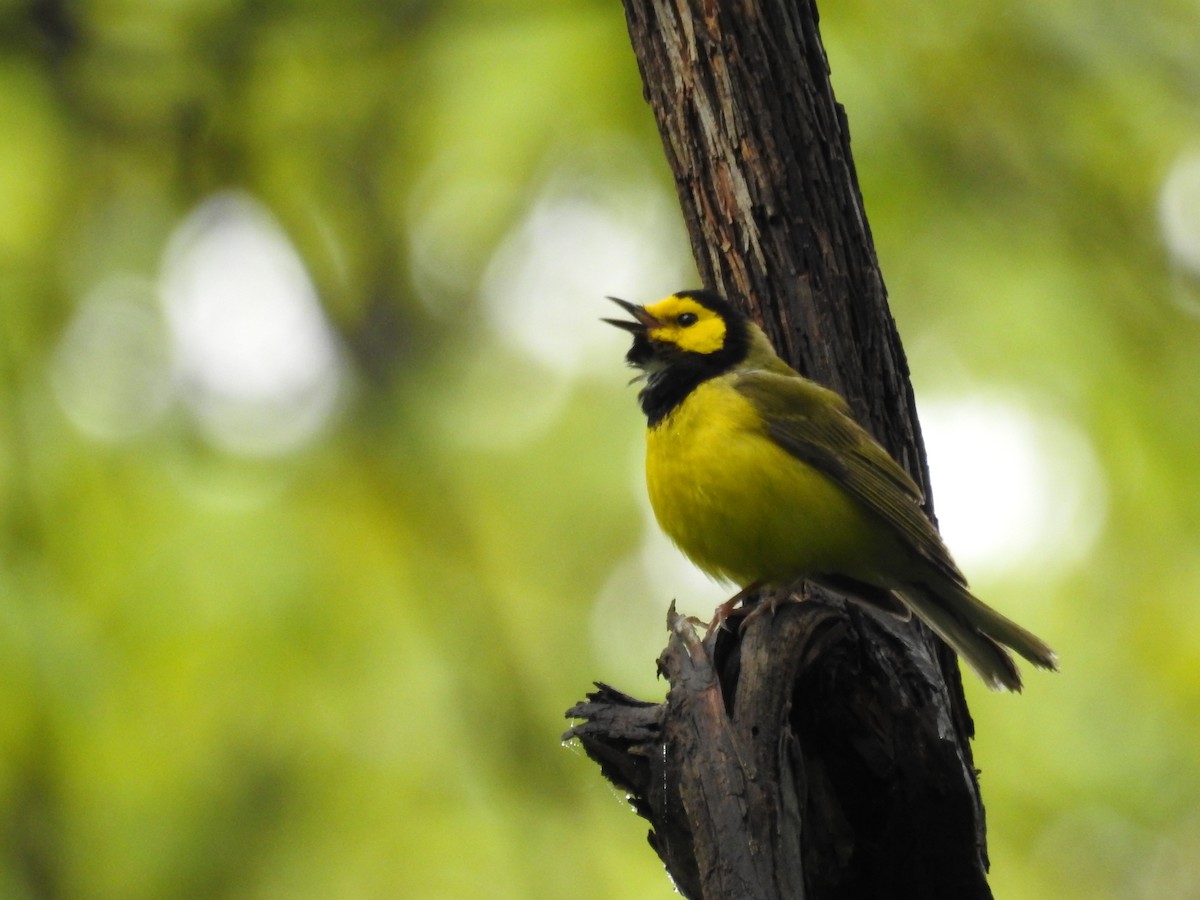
point(762, 477)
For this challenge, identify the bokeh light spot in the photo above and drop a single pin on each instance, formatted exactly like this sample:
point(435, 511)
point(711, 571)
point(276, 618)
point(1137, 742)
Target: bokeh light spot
point(1179, 212)
point(1179, 221)
point(111, 370)
point(1012, 485)
point(258, 364)
point(600, 225)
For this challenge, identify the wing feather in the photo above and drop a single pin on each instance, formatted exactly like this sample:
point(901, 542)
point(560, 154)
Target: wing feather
point(814, 425)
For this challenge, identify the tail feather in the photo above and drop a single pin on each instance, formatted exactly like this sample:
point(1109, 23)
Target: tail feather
point(978, 633)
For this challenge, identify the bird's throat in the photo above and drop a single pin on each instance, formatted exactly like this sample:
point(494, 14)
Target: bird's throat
point(668, 387)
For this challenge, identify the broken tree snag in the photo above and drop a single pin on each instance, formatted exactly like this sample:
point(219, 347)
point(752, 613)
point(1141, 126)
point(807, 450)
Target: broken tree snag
point(692, 766)
point(824, 751)
point(785, 763)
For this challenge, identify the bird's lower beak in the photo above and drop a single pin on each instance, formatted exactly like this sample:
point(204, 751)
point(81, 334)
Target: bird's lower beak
point(643, 319)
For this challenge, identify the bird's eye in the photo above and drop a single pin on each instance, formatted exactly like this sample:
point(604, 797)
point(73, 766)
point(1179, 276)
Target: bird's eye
point(687, 319)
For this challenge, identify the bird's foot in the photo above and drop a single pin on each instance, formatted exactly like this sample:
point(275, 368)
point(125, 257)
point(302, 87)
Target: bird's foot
point(722, 613)
point(769, 603)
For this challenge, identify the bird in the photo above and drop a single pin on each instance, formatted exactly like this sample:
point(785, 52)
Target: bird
point(763, 477)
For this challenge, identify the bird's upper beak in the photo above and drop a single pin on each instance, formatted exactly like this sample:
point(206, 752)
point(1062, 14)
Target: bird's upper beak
point(643, 319)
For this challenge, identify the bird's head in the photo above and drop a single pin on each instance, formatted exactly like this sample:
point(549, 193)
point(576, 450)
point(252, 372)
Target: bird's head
point(689, 329)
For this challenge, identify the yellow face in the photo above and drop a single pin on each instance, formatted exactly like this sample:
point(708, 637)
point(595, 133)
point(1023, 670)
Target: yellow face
point(688, 325)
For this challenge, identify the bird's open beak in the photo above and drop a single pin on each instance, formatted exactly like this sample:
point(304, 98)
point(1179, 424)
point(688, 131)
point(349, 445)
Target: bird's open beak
point(643, 319)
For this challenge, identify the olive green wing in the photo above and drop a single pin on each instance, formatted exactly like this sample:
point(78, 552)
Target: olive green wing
point(814, 424)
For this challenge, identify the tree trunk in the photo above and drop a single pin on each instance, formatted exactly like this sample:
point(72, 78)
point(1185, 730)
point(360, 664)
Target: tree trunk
point(824, 751)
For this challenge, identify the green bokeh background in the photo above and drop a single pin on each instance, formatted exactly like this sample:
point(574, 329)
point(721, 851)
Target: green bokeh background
point(315, 638)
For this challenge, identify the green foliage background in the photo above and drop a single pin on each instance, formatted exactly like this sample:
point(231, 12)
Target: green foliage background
point(338, 668)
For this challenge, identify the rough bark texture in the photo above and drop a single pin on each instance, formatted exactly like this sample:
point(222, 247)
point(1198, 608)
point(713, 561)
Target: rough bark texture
point(824, 751)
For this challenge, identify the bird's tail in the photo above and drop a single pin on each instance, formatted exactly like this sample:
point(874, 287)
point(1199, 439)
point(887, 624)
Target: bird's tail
point(977, 632)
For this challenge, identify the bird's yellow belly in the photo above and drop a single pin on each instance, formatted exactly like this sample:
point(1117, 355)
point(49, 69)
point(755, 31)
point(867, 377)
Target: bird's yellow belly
point(743, 508)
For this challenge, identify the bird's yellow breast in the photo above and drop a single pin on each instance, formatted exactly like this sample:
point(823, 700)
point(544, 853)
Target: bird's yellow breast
point(743, 508)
